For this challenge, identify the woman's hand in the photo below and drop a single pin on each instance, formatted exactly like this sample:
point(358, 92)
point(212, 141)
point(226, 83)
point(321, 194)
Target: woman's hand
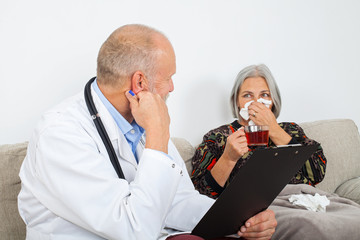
point(236, 146)
point(261, 115)
point(261, 226)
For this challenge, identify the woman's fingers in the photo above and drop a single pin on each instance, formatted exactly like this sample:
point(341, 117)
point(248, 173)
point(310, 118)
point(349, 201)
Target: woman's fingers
point(261, 115)
point(236, 145)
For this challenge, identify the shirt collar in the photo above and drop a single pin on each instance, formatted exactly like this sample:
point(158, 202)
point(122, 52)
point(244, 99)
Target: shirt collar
point(121, 122)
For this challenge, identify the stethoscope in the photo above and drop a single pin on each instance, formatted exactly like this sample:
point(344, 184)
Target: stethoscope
point(101, 129)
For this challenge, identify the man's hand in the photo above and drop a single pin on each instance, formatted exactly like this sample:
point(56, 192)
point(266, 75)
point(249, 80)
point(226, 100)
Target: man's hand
point(150, 112)
point(260, 227)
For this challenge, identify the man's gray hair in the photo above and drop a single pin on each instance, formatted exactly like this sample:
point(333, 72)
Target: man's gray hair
point(128, 49)
point(255, 71)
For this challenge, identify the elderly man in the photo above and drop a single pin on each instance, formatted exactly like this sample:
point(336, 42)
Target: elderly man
point(70, 189)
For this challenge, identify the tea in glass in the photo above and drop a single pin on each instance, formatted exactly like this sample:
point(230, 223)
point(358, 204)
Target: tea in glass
point(257, 135)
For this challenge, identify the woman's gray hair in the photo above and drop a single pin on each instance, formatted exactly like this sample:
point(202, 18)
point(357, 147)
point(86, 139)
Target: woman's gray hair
point(256, 71)
point(128, 49)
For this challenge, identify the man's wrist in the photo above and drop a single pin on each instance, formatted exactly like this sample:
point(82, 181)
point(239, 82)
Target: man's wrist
point(158, 141)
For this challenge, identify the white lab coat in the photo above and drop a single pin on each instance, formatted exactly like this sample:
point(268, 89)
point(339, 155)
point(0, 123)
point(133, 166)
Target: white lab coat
point(70, 189)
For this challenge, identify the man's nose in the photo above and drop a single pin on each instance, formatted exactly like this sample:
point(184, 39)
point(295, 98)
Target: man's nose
point(171, 85)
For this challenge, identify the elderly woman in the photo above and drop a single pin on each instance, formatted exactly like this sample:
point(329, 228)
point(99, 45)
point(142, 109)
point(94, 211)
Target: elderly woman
point(224, 150)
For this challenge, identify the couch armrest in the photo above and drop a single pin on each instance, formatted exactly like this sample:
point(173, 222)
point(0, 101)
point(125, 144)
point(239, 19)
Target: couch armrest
point(350, 189)
point(11, 158)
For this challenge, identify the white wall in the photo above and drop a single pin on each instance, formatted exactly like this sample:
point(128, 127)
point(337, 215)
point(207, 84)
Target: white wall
point(48, 51)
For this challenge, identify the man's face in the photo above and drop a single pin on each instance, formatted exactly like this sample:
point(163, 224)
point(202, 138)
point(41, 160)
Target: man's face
point(162, 82)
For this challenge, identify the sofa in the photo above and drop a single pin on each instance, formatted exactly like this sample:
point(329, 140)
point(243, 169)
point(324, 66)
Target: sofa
point(339, 138)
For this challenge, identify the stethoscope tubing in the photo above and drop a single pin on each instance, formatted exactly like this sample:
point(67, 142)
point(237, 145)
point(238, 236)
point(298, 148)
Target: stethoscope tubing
point(101, 129)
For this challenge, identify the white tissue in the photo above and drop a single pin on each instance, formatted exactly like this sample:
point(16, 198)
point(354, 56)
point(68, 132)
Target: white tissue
point(244, 111)
point(315, 203)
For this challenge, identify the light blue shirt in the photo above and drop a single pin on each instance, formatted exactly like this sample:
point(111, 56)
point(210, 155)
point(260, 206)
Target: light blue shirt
point(132, 132)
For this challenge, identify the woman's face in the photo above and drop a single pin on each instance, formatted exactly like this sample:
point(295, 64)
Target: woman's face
point(253, 88)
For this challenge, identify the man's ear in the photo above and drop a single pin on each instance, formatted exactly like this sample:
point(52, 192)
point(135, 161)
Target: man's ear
point(138, 83)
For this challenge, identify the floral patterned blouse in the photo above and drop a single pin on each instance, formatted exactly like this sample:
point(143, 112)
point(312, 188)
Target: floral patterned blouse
point(213, 145)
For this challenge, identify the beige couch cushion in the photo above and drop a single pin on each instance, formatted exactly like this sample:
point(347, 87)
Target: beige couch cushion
point(11, 157)
point(186, 151)
point(341, 143)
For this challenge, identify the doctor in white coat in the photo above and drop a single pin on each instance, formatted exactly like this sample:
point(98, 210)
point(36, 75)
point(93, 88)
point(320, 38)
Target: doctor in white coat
point(70, 189)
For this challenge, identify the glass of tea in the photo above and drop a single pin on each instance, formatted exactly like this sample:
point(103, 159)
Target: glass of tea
point(257, 135)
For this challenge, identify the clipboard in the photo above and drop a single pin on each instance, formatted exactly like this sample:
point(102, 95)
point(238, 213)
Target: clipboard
point(253, 189)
